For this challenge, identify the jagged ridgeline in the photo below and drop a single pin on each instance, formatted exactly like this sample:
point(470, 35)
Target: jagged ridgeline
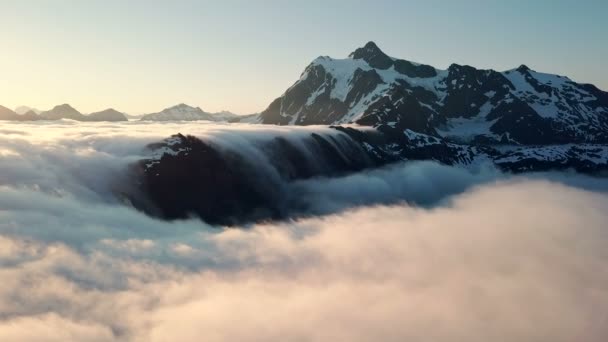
point(461, 104)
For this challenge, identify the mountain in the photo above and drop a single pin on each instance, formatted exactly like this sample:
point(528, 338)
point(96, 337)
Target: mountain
point(30, 115)
point(175, 113)
point(24, 109)
point(180, 112)
point(461, 104)
point(517, 121)
point(247, 118)
point(225, 116)
point(64, 111)
point(184, 112)
point(237, 183)
point(106, 115)
point(7, 114)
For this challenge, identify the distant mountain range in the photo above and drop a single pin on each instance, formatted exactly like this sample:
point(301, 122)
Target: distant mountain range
point(180, 112)
point(64, 111)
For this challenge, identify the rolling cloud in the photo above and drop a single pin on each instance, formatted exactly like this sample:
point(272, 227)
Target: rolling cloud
point(416, 251)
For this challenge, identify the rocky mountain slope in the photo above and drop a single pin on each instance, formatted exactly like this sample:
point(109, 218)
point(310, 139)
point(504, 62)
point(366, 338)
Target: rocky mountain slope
point(461, 104)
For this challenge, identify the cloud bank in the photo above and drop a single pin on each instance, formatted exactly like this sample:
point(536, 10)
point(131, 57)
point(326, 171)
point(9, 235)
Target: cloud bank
point(412, 252)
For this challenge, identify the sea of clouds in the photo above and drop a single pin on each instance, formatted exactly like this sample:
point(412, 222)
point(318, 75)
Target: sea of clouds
point(415, 251)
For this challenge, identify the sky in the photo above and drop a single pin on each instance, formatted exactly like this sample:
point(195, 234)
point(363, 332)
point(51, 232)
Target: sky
point(142, 56)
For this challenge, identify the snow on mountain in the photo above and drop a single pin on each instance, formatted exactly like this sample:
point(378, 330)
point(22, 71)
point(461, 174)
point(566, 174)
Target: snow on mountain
point(180, 112)
point(184, 112)
point(460, 104)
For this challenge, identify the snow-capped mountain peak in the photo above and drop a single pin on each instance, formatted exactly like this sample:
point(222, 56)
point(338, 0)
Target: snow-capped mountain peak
point(461, 103)
point(372, 54)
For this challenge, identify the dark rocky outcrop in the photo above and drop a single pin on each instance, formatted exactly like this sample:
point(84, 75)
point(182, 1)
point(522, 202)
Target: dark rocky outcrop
point(186, 176)
point(189, 177)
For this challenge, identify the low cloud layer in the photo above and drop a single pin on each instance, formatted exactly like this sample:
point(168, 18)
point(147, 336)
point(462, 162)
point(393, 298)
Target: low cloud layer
point(459, 255)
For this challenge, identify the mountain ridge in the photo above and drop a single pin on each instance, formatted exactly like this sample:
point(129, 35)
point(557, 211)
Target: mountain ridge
point(179, 112)
point(59, 112)
point(461, 103)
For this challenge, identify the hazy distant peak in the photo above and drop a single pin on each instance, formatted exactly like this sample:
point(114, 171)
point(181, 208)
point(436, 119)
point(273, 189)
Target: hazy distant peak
point(6, 113)
point(109, 114)
point(183, 106)
point(62, 111)
point(178, 112)
point(4, 109)
point(184, 112)
point(25, 109)
point(109, 110)
point(64, 106)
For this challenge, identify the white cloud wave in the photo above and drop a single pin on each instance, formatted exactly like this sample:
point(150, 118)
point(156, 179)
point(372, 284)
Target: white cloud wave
point(501, 259)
